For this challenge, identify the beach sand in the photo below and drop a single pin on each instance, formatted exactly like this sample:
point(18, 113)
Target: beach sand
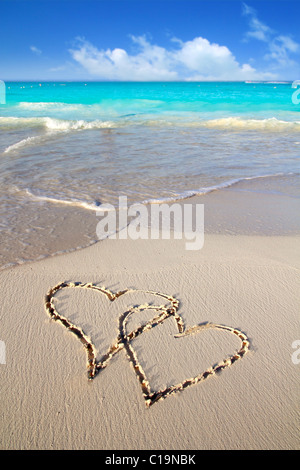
point(241, 278)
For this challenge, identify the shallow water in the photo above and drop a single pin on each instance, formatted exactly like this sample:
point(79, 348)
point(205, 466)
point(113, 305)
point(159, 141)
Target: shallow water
point(68, 148)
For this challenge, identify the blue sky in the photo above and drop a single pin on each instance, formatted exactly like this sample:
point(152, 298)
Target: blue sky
point(150, 40)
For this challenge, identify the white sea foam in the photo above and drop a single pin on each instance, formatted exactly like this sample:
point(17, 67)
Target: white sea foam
point(55, 124)
point(22, 143)
point(95, 206)
point(62, 124)
point(20, 122)
point(268, 124)
point(229, 123)
point(41, 105)
point(263, 124)
point(70, 202)
point(209, 189)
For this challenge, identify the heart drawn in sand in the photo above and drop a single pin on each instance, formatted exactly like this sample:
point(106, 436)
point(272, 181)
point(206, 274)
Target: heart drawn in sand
point(124, 339)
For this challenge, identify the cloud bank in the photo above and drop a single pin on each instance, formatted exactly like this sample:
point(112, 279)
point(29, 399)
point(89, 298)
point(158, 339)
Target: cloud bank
point(193, 60)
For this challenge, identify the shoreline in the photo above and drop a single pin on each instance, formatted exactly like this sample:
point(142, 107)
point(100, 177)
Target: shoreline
point(243, 209)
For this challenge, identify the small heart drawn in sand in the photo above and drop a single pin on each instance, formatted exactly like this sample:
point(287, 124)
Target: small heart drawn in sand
point(125, 339)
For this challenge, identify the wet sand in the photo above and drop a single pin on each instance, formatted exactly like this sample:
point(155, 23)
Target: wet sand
point(244, 279)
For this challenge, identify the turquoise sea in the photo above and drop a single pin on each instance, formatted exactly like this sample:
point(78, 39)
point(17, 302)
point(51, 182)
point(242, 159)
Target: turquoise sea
point(71, 146)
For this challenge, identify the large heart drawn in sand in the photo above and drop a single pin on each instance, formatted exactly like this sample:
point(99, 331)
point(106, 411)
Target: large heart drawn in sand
point(125, 339)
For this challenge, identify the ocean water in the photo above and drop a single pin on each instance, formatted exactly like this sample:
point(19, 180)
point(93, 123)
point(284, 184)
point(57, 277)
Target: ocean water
point(66, 148)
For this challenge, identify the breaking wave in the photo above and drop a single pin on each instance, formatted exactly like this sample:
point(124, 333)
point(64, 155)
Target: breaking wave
point(229, 123)
point(54, 124)
point(263, 124)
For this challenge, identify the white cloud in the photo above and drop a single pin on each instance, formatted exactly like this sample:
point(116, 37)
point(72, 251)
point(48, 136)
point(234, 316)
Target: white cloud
point(211, 61)
point(279, 47)
point(152, 63)
point(279, 50)
point(59, 68)
point(258, 29)
point(36, 50)
point(197, 59)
